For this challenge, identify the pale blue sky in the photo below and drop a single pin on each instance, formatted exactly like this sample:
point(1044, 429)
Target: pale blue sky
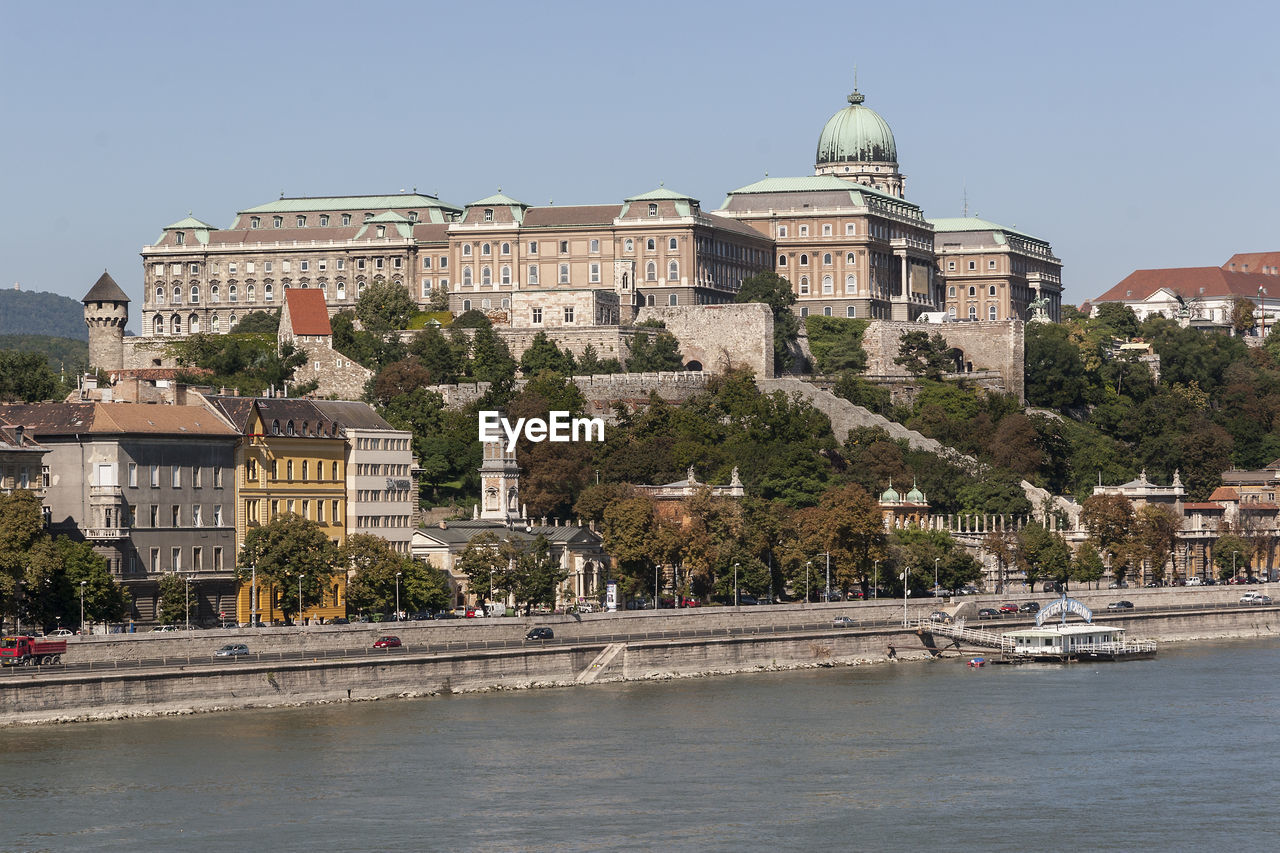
point(1129, 135)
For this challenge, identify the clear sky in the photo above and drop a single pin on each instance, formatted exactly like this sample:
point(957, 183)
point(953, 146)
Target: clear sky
point(1130, 135)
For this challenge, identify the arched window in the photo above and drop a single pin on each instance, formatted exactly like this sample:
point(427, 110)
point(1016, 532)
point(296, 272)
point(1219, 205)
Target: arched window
point(506, 275)
point(951, 291)
point(466, 305)
point(215, 295)
point(231, 293)
point(804, 284)
point(629, 245)
point(360, 287)
point(175, 323)
point(973, 312)
point(827, 285)
point(250, 294)
point(485, 250)
point(466, 250)
point(157, 325)
point(649, 244)
point(215, 325)
point(650, 300)
point(804, 260)
point(850, 283)
point(991, 291)
point(486, 275)
point(342, 290)
point(506, 248)
point(672, 245)
point(826, 259)
point(289, 431)
point(782, 260)
point(275, 427)
point(466, 276)
point(533, 274)
point(849, 258)
point(159, 294)
point(177, 294)
point(973, 291)
point(267, 293)
point(651, 271)
point(193, 324)
point(195, 294)
point(231, 322)
point(991, 312)
point(673, 271)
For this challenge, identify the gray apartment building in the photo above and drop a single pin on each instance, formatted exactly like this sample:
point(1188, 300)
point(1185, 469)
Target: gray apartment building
point(151, 487)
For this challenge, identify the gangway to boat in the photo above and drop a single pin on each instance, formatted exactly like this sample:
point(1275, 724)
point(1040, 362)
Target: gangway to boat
point(963, 634)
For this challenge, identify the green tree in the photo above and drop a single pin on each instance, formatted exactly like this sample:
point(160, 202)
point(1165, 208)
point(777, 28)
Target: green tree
point(1087, 566)
point(1055, 373)
point(376, 568)
point(1155, 534)
point(1231, 553)
point(543, 355)
point(105, 600)
point(1043, 553)
point(662, 353)
point(849, 526)
point(443, 359)
point(491, 361)
point(176, 604)
point(1242, 315)
point(535, 575)
point(776, 292)
point(485, 561)
point(926, 356)
point(384, 306)
point(836, 343)
point(26, 377)
point(285, 549)
point(261, 322)
point(1109, 519)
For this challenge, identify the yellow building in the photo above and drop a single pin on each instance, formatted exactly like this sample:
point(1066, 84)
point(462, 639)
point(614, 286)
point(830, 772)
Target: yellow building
point(291, 459)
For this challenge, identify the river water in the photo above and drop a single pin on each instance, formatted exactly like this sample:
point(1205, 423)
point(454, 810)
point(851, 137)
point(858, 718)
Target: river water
point(1176, 753)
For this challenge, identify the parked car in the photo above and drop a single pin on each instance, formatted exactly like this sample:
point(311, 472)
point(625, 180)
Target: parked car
point(843, 622)
point(1008, 609)
point(1029, 607)
point(62, 632)
point(339, 620)
point(1120, 605)
point(1194, 580)
point(164, 629)
point(540, 634)
point(387, 641)
point(232, 650)
point(940, 616)
point(448, 614)
point(745, 600)
point(1118, 585)
point(988, 613)
point(1255, 598)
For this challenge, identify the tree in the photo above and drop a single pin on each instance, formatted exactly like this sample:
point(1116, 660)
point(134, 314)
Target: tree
point(1231, 553)
point(929, 357)
point(283, 550)
point(850, 527)
point(1055, 373)
point(445, 360)
point(264, 322)
point(662, 353)
point(544, 355)
point(175, 603)
point(1043, 553)
point(1109, 519)
point(26, 377)
point(627, 531)
point(384, 306)
point(1002, 545)
point(484, 561)
point(1087, 566)
point(1155, 533)
point(373, 586)
point(398, 379)
point(836, 343)
point(535, 575)
point(105, 600)
point(491, 361)
point(776, 292)
point(1242, 311)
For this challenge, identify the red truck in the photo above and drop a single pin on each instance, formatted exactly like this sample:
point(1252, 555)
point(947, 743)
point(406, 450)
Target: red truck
point(36, 651)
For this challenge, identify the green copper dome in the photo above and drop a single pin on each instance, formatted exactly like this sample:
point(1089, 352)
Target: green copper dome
point(915, 496)
point(890, 496)
point(856, 134)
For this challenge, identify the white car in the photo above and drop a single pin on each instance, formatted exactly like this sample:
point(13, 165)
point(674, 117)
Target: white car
point(62, 632)
point(1194, 580)
point(1255, 598)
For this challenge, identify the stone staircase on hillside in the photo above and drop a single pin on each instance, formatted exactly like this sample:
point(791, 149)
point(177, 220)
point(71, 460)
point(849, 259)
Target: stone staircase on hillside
point(845, 417)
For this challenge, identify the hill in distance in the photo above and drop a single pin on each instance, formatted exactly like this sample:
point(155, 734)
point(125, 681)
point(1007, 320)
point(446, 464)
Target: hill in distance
point(31, 313)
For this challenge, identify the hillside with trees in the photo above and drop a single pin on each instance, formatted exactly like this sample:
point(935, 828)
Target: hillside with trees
point(32, 313)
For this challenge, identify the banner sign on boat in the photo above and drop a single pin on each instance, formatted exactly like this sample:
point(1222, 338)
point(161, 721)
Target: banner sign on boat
point(1064, 606)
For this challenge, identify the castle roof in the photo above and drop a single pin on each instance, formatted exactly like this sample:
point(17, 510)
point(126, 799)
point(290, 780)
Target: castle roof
point(307, 312)
point(105, 289)
point(1189, 283)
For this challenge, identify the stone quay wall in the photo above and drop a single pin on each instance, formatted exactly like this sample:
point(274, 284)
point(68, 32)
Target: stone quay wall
point(718, 337)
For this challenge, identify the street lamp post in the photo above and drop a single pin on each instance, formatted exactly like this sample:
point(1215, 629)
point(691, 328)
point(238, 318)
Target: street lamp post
point(82, 583)
point(186, 598)
point(828, 553)
point(875, 581)
point(1233, 564)
point(398, 596)
point(906, 591)
point(935, 576)
point(807, 565)
point(300, 577)
point(656, 600)
point(735, 585)
point(253, 596)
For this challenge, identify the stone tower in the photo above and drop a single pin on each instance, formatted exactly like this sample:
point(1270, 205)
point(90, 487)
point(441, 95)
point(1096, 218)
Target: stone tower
point(499, 483)
point(106, 311)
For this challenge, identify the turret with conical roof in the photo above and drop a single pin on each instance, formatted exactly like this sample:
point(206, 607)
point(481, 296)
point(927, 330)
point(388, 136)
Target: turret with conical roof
point(857, 145)
point(106, 312)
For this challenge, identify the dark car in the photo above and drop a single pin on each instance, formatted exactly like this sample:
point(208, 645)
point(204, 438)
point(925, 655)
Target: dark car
point(540, 634)
point(1029, 607)
point(988, 613)
point(940, 616)
point(447, 614)
point(744, 599)
point(232, 650)
point(1007, 609)
point(387, 641)
point(339, 620)
point(1120, 605)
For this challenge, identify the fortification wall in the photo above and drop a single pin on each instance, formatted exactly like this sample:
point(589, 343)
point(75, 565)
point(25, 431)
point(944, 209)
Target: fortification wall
point(988, 345)
point(140, 353)
point(718, 337)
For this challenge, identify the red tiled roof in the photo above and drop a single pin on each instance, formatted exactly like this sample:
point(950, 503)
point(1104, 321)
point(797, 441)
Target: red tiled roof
point(1189, 282)
point(1224, 493)
point(307, 311)
point(1261, 262)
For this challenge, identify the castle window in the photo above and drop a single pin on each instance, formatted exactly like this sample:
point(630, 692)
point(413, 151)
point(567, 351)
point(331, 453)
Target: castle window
point(673, 300)
point(653, 210)
point(804, 230)
point(991, 312)
point(277, 221)
point(595, 273)
point(176, 324)
point(973, 312)
point(305, 266)
point(826, 230)
point(991, 291)
point(850, 229)
point(195, 294)
point(804, 284)
point(782, 230)
point(486, 276)
point(159, 295)
point(267, 292)
point(951, 265)
point(488, 214)
point(486, 250)
point(231, 321)
point(255, 222)
point(382, 231)
point(629, 245)
point(673, 271)
point(973, 291)
point(193, 324)
point(301, 221)
point(533, 274)
point(466, 276)
point(826, 259)
point(851, 312)
point(672, 245)
point(506, 275)
point(973, 265)
point(951, 292)
point(506, 248)
point(828, 286)
point(651, 271)
point(324, 219)
point(826, 311)
point(991, 265)
point(533, 247)
point(804, 260)
point(650, 244)
point(564, 273)
point(594, 246)
point(466, 305)
point(214, 324)
point(346, 219)
point(568, 313)
point(195, 268)
point(250, 294)
point(782, 260)
point(179, 237)
point(157, 325)
point(466, 250)
point(426, 262)
point(564, 247)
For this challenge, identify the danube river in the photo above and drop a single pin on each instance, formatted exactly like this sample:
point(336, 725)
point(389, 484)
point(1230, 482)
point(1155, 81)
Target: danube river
point(1177, 753)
